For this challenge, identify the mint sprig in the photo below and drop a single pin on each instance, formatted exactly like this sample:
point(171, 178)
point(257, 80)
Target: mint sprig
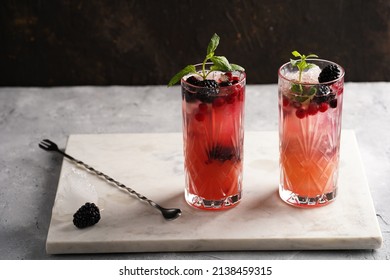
point(301, 62)
point(220, 63)
point(302, 65)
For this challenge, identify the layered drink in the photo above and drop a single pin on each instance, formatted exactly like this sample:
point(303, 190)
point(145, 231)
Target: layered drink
point(310, 108)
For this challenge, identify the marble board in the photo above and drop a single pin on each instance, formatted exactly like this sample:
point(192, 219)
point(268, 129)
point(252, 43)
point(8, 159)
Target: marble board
point(152, 164)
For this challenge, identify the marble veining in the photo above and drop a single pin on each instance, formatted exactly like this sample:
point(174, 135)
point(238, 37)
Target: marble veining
point(152, 165)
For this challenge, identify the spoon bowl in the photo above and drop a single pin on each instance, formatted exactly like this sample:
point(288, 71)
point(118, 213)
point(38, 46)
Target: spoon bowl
point(170, 213)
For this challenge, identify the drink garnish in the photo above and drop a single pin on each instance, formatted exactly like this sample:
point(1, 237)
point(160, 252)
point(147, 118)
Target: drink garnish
point(301, 63)
point(329, 73)
point(312, 97)
point(220, 63)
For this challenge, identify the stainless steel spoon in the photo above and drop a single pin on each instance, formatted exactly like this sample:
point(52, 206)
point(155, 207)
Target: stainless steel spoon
point(168, 213)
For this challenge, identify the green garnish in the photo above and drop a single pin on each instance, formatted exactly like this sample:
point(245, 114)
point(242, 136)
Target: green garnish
point(301, 62)
point(302, 65)
point(220, 63)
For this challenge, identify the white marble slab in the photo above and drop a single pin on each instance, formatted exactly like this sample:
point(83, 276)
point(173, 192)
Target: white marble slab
point(153, 165)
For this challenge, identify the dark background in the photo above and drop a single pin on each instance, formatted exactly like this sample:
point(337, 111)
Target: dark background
point(75, 42)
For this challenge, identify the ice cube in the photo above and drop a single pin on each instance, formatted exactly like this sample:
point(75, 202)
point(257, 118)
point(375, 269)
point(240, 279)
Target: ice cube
point(217, 76)
point(310, 76)
point(292, 76)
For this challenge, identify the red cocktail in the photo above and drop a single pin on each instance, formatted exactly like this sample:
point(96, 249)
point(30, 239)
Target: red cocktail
point(213, 134)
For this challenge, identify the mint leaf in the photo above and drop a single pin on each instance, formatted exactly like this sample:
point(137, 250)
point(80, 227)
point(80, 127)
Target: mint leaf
point(309, 65)
point(236, 67)
point(312, 56)
point(303, 93)
point(214, 42)
point(301, 98)
point(185, 71)
point(296, 54)
point(301, 63)
point(312, 91)
point(296, 88)
point(293, 62)
point(210, 55)
point(221, 63)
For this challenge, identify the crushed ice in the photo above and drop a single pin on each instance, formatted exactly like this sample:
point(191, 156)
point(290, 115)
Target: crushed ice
point(309, 76)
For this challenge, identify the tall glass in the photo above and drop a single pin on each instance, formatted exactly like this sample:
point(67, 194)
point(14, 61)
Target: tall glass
point(213, 138)
point(309, 135)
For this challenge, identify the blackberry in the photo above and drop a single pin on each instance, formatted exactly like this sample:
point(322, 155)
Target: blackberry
point(193, 81)
point(208, 92)
point(86, 216)
point(323, 94)
point(323, 90)
point(188, 95)
point(208, 84)
point(221, 153)
point(329, 73)
point(333, 103)
point(225, 84)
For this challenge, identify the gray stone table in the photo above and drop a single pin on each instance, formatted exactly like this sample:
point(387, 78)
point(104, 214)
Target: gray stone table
point(29, 176)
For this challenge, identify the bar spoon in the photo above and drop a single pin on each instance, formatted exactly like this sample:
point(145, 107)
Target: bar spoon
point(168, 213)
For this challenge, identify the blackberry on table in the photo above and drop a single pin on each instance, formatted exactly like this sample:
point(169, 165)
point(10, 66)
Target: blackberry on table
point(329, 73)
point(86, 216)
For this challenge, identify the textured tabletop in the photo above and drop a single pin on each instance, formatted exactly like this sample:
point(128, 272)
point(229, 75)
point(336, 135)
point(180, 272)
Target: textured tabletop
point(29, 176)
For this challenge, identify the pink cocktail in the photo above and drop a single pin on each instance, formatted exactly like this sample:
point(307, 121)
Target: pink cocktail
point(309, 127)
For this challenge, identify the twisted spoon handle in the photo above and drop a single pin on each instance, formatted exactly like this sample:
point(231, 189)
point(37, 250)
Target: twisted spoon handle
point(111, 180)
